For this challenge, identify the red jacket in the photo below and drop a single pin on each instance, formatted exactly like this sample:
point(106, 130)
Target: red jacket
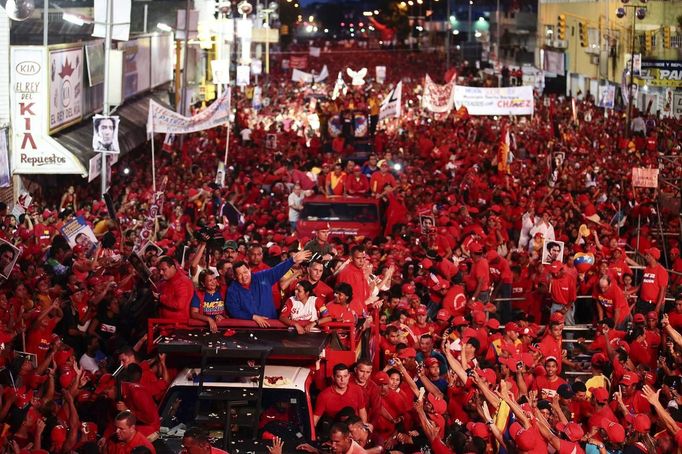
point(176, 295)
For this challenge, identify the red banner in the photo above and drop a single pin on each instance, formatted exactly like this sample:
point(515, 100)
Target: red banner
point(298, 62)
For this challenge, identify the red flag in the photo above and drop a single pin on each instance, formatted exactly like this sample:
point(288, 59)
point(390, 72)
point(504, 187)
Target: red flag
point(298, 62)
point(503, 151)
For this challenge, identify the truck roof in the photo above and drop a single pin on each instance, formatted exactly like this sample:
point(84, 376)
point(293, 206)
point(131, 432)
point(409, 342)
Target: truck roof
point(284, 343)
point(283, 377)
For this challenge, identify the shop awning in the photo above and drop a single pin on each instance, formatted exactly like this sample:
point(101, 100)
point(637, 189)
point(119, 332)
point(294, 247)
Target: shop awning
point(131, 134)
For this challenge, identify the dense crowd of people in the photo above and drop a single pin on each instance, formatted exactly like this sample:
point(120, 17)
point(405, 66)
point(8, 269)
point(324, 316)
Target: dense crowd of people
point(468, 292)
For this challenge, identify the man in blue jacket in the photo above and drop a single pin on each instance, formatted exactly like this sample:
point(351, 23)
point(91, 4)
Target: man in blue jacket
point(249, 296)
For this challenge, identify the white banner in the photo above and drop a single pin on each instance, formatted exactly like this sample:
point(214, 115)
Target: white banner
point(256, 67)
point(607, 96)
point(33, 152)
point(495, 101)
point(553, 62)
point(438, 98)
point(120, 12)
point(380, 74)
point(340, 87)
point(314, 51)
point(301, 76)
point(392, 103)
point(220, 71)
point(243, 75)
point(161, 119)
point(66, 87)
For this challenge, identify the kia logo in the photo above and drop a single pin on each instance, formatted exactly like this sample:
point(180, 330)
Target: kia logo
point(28, 68)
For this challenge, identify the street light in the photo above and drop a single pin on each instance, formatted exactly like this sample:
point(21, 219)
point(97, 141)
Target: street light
point(639, 13)
point(271, 9)
point(19, 10)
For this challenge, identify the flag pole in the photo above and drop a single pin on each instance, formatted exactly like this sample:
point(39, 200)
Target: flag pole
point(153, 161)
point(227, 134)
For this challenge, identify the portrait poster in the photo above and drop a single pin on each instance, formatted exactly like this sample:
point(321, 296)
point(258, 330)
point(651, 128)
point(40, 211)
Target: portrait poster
point(552, 250)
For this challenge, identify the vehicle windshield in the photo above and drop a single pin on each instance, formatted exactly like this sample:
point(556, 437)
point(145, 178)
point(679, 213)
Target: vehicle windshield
point(349, 212)
point(285, 414)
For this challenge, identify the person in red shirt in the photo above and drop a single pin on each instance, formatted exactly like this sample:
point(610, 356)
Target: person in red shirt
point(501, 275)
point(357, 184)
point(611, 302)
point(196, 441)
point(478, 281)
point(335, 182)
point(354, 275)
point(654, 283)
point(371, 391)
point(342, 393)
point(563, 291)
point(548, 384)
point(126, 437)
point(629, 400)
point(41, 337)
point(380, 179)
point(176, 291)
point(675, 316)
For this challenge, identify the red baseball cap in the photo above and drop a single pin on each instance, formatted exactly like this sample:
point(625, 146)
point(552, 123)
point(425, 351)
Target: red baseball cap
point(442, 315)
point(640, 422)
point(555, 267)
point(654, 252)
point(493, 324)
point(475, 248)
point(431, 361)
point(439, 405)
point(59, 434)
point(478, 429)
point(614, 431)
point(381, 378)
point(601, 395)
point(639, 318)
point(106, 382)
point(511, 326)
point(572, 430)
point(408, 352)
point(478, 317)
point(421, 310)
point(459, 320)
point(557, 317)
point(629, 378)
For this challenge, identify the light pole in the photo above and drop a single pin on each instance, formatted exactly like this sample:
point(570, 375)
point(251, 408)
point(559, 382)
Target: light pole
point(470, 34)
point(638, 12)
point(272, 7)
point(106, 107)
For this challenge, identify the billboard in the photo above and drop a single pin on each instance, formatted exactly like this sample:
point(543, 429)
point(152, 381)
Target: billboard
point(66, 87)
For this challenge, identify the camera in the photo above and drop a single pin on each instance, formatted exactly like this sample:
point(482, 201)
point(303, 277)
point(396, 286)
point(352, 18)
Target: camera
point(519, 365)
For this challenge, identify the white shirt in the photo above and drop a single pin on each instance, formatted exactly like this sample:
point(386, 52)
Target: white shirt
point(300, 311)
point(89, 364)
point(246, 134)
point(547, 230)
point(295, 201)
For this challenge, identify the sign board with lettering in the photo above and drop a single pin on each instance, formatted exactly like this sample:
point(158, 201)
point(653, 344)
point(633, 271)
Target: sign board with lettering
point(136, 65)
point(644, 178)
point(661, 73)
point(66, 87)
point(677, 106)
point(33, 151)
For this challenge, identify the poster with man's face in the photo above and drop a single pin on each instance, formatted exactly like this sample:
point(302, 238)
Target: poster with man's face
point(552, 251)
point(77, 231)
point(9, 254)
point(105, 134)
point(427, 223)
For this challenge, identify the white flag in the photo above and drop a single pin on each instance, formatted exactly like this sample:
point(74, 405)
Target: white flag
point(392, 103)
point(340, 87)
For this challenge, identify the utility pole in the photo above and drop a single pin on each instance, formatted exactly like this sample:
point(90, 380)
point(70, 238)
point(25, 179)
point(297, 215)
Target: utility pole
point(106, 108)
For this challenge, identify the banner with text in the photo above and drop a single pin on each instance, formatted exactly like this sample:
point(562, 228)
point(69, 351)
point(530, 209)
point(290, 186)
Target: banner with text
point(644, 178)
point(495, 101)
point(66, 87)
point(301, 76)
point(162, 119)
point(33, 152)
point(390, 106)
point(437, 98)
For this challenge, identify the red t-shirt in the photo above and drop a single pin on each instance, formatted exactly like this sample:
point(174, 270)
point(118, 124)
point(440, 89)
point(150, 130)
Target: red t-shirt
point(479, 269)
point(654, 280)
point(563, 289)
point(613, 298)
point(550, 346)
point(330, 401)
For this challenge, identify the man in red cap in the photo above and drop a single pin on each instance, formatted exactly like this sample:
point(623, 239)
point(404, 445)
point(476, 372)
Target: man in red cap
point(654, 283)
point(357, 184)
